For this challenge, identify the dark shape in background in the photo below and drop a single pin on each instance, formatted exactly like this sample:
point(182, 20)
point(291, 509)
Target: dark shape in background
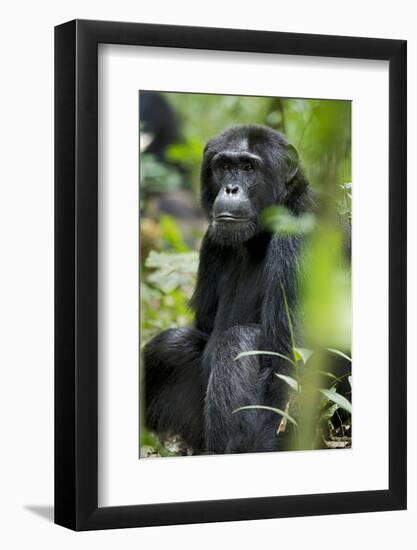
point(165, 181)
point(158, 119)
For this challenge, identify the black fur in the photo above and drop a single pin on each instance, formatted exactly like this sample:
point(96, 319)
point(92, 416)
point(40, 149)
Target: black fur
point(193, 382)
point(159, 120)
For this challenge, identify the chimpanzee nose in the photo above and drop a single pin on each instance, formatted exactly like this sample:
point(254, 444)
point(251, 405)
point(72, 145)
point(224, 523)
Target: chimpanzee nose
point(232, 189)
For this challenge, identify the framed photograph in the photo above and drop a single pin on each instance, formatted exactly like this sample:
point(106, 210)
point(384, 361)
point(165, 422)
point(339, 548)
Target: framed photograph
point(230, 255)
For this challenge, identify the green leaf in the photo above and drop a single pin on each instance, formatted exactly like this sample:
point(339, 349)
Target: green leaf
point(340, 353)
point(248, 353)
point(272, 409)
point(290, 381)
point(338, 399)
point(303, 354)
point(329, 411)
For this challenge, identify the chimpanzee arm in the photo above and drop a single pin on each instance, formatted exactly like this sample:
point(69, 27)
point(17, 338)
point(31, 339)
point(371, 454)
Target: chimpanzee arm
point(175, 385)
point(280, 279)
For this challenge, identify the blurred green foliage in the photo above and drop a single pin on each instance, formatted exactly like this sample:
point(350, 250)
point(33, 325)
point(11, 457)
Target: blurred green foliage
point(320, 130)
point(280, 220)
point(157, 177)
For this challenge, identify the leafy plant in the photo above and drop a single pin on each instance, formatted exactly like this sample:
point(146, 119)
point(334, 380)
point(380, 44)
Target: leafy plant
point(300, 385)
point(151, 445)
point(172, 271)
point(168, 283)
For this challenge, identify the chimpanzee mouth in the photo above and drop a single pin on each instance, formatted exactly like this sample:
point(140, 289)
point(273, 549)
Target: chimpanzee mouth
point(229, 230)
point(227, 217)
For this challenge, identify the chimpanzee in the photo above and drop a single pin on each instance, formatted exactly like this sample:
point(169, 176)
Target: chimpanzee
point(193, 382)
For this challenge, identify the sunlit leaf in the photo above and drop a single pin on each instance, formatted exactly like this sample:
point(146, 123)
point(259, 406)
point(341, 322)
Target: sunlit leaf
point(329, 411)
point(290, 381)
point(341, 401)
point(303, 354)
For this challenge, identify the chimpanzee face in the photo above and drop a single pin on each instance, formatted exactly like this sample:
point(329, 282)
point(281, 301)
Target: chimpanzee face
point(245, 170)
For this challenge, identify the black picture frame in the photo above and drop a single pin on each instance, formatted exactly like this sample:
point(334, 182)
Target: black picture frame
point(76, 272)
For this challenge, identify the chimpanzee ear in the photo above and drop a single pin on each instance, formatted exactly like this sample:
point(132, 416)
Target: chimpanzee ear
point(292, 161)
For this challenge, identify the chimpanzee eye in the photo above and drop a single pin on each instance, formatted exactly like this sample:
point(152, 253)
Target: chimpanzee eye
point(226, 166)
point(247, 167)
